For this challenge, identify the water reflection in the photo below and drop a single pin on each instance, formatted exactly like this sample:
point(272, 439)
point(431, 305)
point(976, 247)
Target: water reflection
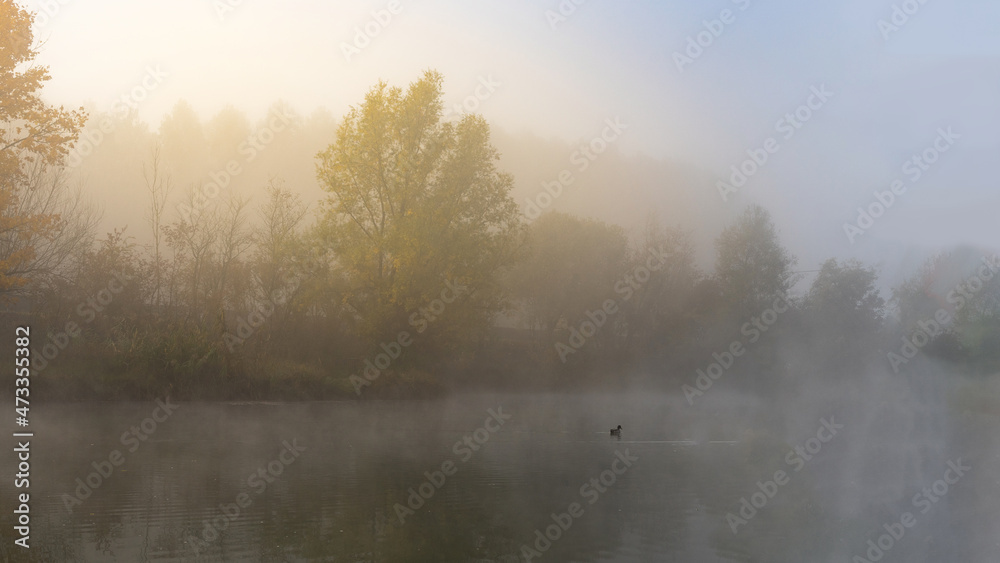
point(437, 481)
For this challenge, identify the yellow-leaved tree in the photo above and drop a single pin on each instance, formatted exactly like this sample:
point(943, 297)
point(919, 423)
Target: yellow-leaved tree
point(417, 206)
point(35, 234)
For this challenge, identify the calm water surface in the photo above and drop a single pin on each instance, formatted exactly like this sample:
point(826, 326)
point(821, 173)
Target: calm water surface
point(341, 481)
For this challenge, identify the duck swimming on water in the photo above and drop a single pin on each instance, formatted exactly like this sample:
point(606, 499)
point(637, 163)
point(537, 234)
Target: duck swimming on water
point(617, 431)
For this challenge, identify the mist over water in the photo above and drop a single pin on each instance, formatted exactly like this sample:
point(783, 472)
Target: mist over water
point(395, 281)
point(361, 462)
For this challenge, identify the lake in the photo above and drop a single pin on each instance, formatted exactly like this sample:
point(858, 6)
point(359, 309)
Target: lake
point(492, 477)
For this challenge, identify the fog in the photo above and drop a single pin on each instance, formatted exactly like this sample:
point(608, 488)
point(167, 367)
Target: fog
point(448, 246)
point(605, 60)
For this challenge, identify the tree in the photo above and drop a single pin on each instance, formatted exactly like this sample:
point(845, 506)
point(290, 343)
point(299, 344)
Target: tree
point(185, 146)
point(661, 315)
point(919, 296)
point(208, 246)
point(934, 286)
point(844, 302)
point(416, 203)
point(193, 240)
point(960, 286)
point(977, 323)
point(571, 267)
point(36, 233)
point(751, 265)
point(233, 241)
point(225, 133)
point(276, 237)
point(159, 186)
point(116, 263)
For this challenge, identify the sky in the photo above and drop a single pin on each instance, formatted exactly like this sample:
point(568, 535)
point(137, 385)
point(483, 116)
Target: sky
point(560, 69)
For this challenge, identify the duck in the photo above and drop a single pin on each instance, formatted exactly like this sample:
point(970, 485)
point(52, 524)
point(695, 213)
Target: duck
point(617, 431)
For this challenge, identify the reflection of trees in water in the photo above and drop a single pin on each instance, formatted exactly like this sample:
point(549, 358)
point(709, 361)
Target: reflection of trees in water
point(337, 502)
point(790, 527)
point(363, 526)
point(48, 543)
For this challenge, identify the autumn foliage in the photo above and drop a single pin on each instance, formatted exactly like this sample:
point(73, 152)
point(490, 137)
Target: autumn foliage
point(34, 137)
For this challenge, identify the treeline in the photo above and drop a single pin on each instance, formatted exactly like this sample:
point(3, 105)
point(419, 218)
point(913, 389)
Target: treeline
point(417, 272)
point(264, 310)
point(604, 303)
